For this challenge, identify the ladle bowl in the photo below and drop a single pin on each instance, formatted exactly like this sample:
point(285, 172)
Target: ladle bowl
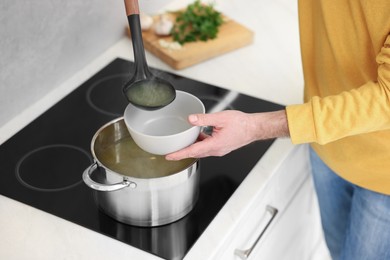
point(144, 90)
point(149, 94)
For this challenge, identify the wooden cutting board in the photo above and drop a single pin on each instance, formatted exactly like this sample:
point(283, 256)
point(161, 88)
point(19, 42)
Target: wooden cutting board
point(231, 36)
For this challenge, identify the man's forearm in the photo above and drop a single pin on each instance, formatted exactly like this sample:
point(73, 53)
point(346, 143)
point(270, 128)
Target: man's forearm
point(269, 125)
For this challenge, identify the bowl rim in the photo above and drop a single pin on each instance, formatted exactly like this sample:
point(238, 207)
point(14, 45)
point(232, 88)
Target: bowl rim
point(164, 136)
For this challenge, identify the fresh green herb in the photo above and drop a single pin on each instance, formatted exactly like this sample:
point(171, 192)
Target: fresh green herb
point(197, 22)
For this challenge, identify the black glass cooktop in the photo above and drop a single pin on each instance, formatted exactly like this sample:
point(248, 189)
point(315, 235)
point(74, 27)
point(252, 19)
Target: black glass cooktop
point(43, 163)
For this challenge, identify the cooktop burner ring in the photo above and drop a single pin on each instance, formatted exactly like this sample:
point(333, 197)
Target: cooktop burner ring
point(58, 178)
point(116, 94)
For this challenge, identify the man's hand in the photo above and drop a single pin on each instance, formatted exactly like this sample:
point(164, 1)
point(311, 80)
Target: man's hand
point(232, 129)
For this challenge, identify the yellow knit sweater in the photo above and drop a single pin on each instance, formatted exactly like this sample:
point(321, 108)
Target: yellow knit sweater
point(346, 62)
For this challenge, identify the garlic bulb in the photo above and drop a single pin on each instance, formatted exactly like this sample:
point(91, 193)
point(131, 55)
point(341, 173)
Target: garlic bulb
point(164, 26)
point(146, 21)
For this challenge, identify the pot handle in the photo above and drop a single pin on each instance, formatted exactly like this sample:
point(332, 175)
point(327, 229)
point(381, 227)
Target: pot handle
point(104, 187)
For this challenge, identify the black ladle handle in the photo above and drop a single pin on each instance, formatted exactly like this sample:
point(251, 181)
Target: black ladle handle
point(141, 66)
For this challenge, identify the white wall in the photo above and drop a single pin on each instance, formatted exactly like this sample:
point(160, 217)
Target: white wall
point(43, 43)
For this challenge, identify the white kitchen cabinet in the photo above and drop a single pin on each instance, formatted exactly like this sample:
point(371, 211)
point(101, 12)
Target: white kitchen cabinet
point(282, 221)
point(289, 235)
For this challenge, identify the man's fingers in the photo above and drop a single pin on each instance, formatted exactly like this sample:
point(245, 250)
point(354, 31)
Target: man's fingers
point(204, 119)
point(196, 150)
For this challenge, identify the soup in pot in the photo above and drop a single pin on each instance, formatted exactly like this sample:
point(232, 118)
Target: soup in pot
point(125, 157)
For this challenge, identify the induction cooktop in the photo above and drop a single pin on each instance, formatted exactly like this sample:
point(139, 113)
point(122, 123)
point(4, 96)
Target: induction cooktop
point(42, 164)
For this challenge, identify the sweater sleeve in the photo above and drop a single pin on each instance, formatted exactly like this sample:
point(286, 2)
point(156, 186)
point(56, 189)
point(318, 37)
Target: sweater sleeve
point(362, 110)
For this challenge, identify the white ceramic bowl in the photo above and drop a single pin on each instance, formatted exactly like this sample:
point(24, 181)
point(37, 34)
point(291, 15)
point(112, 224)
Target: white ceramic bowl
point(165, 130)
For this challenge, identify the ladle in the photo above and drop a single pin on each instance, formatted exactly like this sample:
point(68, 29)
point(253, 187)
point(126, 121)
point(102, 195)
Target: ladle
point(144, 89)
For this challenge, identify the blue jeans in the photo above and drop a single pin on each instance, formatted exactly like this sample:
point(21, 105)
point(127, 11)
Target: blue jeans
point(356, 221)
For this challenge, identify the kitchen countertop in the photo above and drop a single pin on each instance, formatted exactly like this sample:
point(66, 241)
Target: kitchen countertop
point(269, 69)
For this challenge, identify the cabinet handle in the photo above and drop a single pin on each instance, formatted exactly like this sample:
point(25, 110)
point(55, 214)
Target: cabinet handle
point(244, 254)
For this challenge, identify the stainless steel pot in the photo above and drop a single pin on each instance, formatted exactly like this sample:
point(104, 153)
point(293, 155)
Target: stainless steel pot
point(127, 196)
